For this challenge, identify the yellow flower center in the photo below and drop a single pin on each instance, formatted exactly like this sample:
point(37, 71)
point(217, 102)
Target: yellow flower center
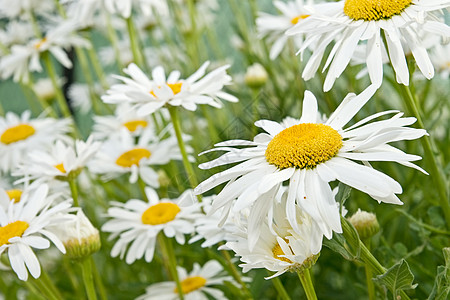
point(17, 133)
point(60, 167)
point(374, 10)
point(298, 18)
point(133, 125)
point(175, 87)
point(39, 44)
point(132, 157)
point(277, 251)
point(160, 213)
point(191, 284)
point(303, 146)
point(11, 230)
point(14, 195)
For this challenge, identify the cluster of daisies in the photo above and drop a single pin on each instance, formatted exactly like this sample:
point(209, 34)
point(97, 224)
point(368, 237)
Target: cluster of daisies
point(278, 200)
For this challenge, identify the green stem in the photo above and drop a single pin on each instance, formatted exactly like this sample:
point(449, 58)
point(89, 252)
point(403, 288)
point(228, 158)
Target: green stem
point(280, 289)
point(35, 25)
point(369, 276)
point(88, 76)
point(112, 36)
point(98, 281)
point(170, 254)
point(141, 184)
point(34, 290)
point(134, 43)
point(74, 191)
point(177, 127)
point(45, 290)
point(365, 255)
point(88, 279)
point(48, 283)
point(236, 275)
point(97, 67)
point(305, 279)
point(62, 102)
point(429, 154)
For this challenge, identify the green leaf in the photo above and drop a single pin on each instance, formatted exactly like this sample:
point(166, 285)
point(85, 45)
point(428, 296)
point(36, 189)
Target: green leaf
point(399, 277)
point(342, 195)
point(441, 288)
point(348, 246)
point(338, 245)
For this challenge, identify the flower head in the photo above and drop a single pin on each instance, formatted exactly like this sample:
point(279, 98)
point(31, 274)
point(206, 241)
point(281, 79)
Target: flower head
point(137, 223)
point(149, 95)
point(306, 155)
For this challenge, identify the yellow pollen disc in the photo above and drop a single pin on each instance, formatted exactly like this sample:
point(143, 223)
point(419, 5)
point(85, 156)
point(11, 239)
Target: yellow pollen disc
point(191, 284)
point(11, 230)
point(60, 167)
point(132, 157)
point(303, 146)
point(160, 213)
point(14, 195)
point(374, 10)
point(276, 251)
point(17, 133)
point(175, 87)
point(39, 44)
point(298, 18)
point(133, 125)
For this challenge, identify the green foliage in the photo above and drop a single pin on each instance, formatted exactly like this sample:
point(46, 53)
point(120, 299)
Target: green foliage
point(397, 278)
point(441, 288)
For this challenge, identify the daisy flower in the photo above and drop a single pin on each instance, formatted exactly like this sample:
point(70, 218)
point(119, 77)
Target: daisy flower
point(20, 134)
point(307, 155)
point(440, 56)
point(62, 161)
point(25, 58)
point(149, 95)
point(195, 285)
point(137, 223)
point(125, 117)
point(123, 155)
point(23, 226)
point(280, 248)
point(274, 27)
point(124, 7)
point(20, 8)
point(380, 26)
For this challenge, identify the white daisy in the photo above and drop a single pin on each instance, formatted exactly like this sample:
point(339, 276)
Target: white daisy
point(377, 25)
point(15, 32)
point(123, 155)
point(62, 161)
point(26, 58)
point(21, 8)
point(23, 226)
point(20, 134)
point(137, 223)
point(274, 27)
point(195, 285)
point(307, 155)
point(125, 117)
point(280, 248)
point(124, 7)
point(440, 56)
point(150, 95)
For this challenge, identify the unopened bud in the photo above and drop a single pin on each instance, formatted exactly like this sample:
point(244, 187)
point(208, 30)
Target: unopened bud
point(365, 223)
point(256, 76)
point(164, 180)
point(79, 236)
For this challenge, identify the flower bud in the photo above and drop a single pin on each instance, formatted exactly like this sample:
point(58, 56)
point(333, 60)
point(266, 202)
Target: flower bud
point(164, 180)
point(365, 223)
point(256, 76)
point(79, 236)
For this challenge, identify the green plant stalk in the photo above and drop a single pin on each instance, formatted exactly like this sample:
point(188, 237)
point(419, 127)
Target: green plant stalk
point(430, 156)
point(45, 290)
point(98, 280)
point(305, 279)
point(369, 276)
point(34, 290)
point(134, 43)
point(59, 95)
point(280, 288)
point(89, 79)
point(170, 254)
point(74, 191)
point(112, 36)
point(365, 255)
point(97, 67)
point(88, 278)
point(235, 273)
point(35, 25)
point(45, 279)
point(141, 184)
point(187, 164)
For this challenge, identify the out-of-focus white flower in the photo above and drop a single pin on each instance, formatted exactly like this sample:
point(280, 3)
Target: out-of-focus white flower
point(16, 32)
point(44, 88)
point(195, 285)
point(308, 155)
point(24, 225)
point(137, 223)
point(26, 58)
point(21, 8)
point(125, 117)
point(20, 134)
point(440, 56)
point(123, 155)
point(149, 95)
point(61, 161)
